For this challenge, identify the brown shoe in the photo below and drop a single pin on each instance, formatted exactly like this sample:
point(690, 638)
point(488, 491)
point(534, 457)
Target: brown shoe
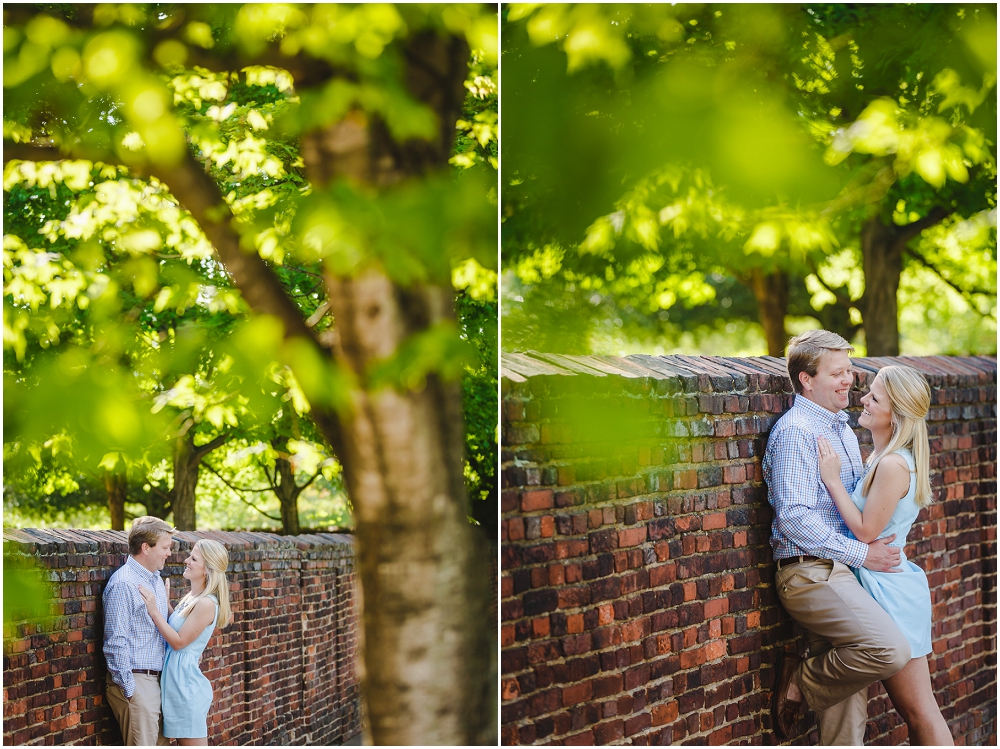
point(784, 712)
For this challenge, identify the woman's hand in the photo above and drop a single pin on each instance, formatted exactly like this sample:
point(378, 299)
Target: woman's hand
point(150, 600)
point(829, 463)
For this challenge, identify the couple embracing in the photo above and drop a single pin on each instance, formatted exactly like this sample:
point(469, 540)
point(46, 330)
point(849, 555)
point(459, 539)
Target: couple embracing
point(838, 535)
point(153, 649)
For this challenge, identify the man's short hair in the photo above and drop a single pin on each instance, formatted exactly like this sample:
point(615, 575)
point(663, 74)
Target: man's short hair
point(804, 351)
point(146, 530)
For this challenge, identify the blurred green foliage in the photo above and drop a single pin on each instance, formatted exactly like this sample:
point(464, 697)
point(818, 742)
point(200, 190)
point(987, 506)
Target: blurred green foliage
point(26, 593)
point(660, 159)
point(121, 327)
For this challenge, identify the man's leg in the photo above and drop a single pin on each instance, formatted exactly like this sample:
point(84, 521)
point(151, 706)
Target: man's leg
point(844, 723)
point(828, 602)
point(145, 713)
point(120, 707)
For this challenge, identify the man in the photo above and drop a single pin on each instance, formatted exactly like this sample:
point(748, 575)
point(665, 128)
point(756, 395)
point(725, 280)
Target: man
point(132, 645)
point(852, 640)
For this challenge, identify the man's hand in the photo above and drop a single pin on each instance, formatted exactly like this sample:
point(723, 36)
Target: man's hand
point(882, 557)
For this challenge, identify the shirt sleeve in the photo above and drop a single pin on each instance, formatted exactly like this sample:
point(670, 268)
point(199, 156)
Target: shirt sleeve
point(117, 628)
point(793, 481)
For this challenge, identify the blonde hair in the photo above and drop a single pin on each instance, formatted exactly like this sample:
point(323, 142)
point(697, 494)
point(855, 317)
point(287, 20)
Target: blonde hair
point(804, 351)
point(910, 400)
point(146, 530)
point(216, 560)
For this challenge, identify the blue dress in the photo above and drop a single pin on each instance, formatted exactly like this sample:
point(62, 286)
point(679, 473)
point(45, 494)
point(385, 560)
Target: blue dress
point(905, 595)
point(185, 693)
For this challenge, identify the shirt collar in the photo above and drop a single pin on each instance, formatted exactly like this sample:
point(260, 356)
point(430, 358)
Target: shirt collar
point(818, 412)
point(138, 569)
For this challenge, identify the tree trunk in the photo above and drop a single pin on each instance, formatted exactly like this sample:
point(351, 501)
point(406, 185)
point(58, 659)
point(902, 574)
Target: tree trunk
point(288, 496)
point(427, 635)
point(882, 250)
point(186, 465)
point(771, 292)
point(116, 484)
point(428, 673)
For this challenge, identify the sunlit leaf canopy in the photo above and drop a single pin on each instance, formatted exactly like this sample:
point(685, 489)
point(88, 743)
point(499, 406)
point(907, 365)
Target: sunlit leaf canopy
point(121, 325)
point(657, 158)
point(91, 90)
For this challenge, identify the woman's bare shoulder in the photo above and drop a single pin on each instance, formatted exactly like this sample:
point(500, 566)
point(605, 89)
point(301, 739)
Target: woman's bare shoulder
point(203, 607)
point(893, 475)
point(895, 464)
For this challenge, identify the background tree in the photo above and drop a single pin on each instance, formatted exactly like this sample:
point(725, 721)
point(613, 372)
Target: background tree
point(755, 144)
point(178, 316)
point(377, 216)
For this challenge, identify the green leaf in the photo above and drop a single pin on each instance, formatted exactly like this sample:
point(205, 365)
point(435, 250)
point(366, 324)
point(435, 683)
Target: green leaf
point(439, 350)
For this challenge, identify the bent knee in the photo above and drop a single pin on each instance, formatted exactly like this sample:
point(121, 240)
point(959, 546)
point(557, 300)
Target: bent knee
point(891, 659)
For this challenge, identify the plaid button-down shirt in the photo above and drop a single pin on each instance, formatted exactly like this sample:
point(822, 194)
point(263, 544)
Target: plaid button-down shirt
point(806, 519)
point(131, 640)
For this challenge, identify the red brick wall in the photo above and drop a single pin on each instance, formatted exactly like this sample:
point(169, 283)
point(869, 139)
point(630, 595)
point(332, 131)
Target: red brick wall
point(637, 581)
point(283, 672)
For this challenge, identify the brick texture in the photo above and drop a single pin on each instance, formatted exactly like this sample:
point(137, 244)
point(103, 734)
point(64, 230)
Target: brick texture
point(637, 599)
point(283, 673)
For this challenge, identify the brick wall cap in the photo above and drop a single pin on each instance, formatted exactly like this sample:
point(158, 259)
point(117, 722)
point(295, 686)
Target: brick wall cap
point(506, 373)
point(629, 369)
point(578, 364)
point(531, 367)
point(735, 364)
point(659, 364)
point(534, 364)
point(46, 541)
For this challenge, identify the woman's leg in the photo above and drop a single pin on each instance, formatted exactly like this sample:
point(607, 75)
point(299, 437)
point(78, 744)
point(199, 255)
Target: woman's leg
point(911, 695)
point(193, 742)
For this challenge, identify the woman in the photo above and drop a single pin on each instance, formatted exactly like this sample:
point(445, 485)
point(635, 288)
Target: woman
point(887, 501)
point(186, 694)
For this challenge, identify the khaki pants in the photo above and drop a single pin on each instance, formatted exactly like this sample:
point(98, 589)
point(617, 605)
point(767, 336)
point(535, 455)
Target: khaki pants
point(853, 642)
point(139, 717)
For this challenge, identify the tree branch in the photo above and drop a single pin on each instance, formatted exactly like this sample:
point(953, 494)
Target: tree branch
point(32, 152)
point(273, 481)
point(927, 264)
point(260, 286)
point(166, 497)
point(318, 315)
point(841, 297)
point(868, 186)
point(257, 281)
point(936, 215)
point(240, 496)
point(300, 489)
point(159, 491)
point(198, 193)
point(268, 488)
point(203, 450)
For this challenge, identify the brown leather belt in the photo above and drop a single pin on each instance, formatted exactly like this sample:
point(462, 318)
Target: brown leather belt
point(795, 560)
point(147, 671)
